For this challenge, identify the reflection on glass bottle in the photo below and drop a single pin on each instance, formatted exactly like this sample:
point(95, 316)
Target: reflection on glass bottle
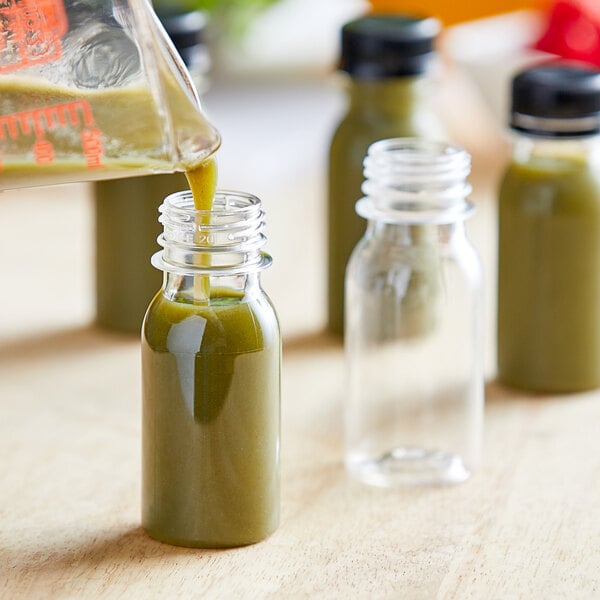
point(412, 266)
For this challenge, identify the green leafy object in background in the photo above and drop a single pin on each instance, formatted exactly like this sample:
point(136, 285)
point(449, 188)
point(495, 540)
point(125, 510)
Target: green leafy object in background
point(231, 16)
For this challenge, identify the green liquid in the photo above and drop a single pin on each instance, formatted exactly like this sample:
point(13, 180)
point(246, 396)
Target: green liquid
point(126, 230)
point(134, 134)
point(549, 276)
point(203, 184)
point(379, 110)
point(211, 421)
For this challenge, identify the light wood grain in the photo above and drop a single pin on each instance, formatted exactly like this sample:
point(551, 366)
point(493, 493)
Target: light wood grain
point(526, 526)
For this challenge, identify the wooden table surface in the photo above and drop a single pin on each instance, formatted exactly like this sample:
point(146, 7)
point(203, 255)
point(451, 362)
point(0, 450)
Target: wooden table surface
point(527, 525)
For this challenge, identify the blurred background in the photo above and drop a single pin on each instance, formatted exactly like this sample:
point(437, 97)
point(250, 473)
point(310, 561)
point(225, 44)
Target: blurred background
point(268, 82)
point(70, 391)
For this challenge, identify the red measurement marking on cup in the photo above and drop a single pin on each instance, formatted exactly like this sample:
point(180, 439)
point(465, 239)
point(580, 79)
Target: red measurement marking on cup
point(68, 115)
point(31, 32)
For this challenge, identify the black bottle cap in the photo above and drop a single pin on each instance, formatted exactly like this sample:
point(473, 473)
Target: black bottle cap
point(557, 99)
point(187, 32)
point(381, 46)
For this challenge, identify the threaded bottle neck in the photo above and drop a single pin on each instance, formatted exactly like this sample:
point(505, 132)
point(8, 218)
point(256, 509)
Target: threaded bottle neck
point(413, 180)
point(225, 240)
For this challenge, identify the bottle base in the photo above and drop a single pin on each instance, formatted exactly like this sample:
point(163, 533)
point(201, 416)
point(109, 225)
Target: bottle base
point(546, 386)
point(408, 467)
point(208, 543)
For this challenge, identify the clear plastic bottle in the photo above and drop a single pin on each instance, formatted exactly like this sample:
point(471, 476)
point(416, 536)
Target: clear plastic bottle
point(413, 321)
point(211, 361)
point(389, 61)
point(549, 233)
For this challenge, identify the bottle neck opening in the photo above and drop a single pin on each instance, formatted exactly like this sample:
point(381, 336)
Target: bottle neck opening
point(415, 181)
point(223, 241)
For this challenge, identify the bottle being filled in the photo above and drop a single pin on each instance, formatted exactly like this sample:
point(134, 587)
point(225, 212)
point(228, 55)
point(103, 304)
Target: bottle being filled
point(389, 61)
point(211, 360)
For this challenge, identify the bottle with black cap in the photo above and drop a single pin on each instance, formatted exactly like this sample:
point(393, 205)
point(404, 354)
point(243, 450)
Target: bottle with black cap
point(549, 233)
point(389, 60)
point(125, 209)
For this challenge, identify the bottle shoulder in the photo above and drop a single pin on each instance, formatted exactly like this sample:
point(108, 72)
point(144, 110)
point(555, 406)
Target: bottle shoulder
point(355, 133)
point(232, 323)
point(548, 184)
point(357, 123)
point(374, 254)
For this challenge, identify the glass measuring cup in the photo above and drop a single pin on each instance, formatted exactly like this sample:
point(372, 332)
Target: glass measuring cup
point(93, 89)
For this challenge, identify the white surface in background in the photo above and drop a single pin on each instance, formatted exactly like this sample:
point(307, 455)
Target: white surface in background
point(292, 36)
point(46, 260)
point(492, 50)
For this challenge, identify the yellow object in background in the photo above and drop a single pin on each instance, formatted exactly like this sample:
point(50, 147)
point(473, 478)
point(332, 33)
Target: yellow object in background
point(453, 11)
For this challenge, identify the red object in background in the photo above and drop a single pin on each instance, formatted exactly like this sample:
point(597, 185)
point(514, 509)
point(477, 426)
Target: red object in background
point(573, 31)
point(31, 32)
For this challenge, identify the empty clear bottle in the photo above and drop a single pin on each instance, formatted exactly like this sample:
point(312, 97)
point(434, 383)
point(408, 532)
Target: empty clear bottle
point(413, 321)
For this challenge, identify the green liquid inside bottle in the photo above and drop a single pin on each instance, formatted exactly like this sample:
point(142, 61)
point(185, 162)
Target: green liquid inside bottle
point(549, 275)
point(388, 108)
point(126, 230)
point(211, 420)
